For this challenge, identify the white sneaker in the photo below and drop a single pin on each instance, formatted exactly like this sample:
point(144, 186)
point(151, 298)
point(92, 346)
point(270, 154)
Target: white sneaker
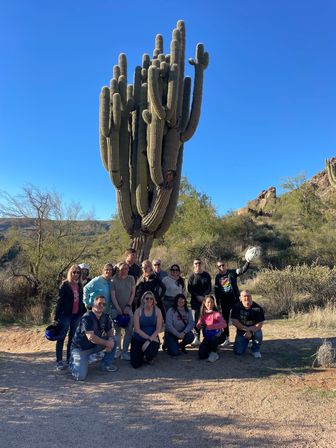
point(196, 342)
point(126, 356)
point(213, 357)
point(117, 354)
point(256, 355)
point(226, 343)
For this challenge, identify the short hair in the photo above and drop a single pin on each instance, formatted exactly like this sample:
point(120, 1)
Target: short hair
point(120, 265)
point(129, 251)
point(99, 297)
point(246, 291)
point(147, 263)
point(108, 265)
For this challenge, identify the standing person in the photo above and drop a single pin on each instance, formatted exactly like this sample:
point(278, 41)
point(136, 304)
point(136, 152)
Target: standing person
point(100, 285)
point(199, 285)
point(85, 274)
point(248, 317)
point(68, 311)
point(93, 335)
point(150, 282)
point(174, 284)
point(157, 269)
point(212, 323)
point(123, 291)
point(179, 326)
point(226, 290)
point(130, 258)
point(147, 326)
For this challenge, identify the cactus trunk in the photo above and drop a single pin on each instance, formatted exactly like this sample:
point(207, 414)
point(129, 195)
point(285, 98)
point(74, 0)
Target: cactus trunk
point(142, 130)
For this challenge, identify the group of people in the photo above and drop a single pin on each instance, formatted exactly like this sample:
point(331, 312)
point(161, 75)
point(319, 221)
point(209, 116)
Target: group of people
point(128, 306)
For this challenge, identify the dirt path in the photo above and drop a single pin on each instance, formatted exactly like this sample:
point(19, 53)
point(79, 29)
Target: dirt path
point(236, 402)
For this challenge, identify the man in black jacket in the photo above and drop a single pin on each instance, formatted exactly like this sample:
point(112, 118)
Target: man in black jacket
point(226, 290)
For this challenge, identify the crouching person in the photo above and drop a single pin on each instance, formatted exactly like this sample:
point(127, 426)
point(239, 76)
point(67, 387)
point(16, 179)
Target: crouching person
point(94, 334)
point(248, 317)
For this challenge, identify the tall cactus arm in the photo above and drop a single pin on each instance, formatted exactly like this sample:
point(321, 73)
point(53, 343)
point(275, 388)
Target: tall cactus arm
point(154, 149)
point(185, 103)
point(103, 149)
point(104, 115)
point(154, 92)
point(200, 63)
point(142, 164)
point(331, 170)
point(125, 210)
point(113, 144)
point(116, 72)
point(153, 219)
point(182, 43)
point(172, 91)
point(171, 209)
point(171, 145)
point(158, 45)
point(123, 65)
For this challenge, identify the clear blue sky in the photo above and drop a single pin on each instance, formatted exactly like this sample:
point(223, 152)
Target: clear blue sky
point(269, 104)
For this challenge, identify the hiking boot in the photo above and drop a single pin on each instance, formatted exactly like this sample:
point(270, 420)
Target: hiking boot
point(256, 355)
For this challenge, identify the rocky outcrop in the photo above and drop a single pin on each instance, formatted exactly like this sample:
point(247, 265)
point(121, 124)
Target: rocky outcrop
point(263, 205)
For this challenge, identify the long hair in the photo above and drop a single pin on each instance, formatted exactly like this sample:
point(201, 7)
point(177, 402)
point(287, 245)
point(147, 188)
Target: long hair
point(180, 281)
point(144, 295)
point(203, 309)
point(73, 268)
point(180, 296)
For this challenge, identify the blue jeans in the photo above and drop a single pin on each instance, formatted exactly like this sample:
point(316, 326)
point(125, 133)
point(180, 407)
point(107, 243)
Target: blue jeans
point(128, 332)
point(241, 343)
point(69, 323)
point(172, 342)
point(79, 361)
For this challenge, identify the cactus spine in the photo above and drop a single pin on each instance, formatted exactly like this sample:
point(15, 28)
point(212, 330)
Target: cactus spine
point(331, 170)
point(143, 127)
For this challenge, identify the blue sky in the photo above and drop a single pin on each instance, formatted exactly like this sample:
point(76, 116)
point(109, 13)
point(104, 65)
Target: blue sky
point(269, 104)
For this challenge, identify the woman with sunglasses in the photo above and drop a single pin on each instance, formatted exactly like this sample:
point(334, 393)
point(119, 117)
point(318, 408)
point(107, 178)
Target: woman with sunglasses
point(147, 326)
point(68, 311)
point(179, 326)
point(174, 284)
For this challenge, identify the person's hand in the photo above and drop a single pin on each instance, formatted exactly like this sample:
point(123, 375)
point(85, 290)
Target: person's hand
point(181, 335)
point(127, 309)
point(109, 344)
point(119, 310)
point(248, 334)
point(153, 338)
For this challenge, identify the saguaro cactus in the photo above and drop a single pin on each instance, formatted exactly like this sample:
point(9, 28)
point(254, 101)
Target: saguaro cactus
point(143, 127)
point(331, 170)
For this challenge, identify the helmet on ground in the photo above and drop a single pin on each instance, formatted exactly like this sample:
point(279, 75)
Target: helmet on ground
point(122, 320)
point(209, 334)
point(84, 266)
point(54, 332)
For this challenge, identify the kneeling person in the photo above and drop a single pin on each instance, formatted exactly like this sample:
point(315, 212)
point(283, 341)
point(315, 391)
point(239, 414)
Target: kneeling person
point(94, 334)
point(248, 317)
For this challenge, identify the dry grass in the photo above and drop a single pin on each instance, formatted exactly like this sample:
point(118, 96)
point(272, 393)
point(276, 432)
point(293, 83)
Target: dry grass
point(325, 355)
point(318, 317)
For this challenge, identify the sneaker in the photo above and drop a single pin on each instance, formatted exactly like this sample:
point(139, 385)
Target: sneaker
point(126, 356)
point(196, 342)
point(59, 365)
point(256, 355)
point(111, 368)
point(226, 343)
point(213, 357)
point(117, 354)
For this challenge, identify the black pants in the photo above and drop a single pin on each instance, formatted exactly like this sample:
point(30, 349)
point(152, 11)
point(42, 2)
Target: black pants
point(226, 310)
point(210, 345)
point(138, 356)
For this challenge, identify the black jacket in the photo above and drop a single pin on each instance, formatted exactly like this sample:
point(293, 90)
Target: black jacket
point(65, 301)
point(153, 284)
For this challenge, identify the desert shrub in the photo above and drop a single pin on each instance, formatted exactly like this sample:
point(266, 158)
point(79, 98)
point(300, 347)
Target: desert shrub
point(296, 288)
point(318, 317)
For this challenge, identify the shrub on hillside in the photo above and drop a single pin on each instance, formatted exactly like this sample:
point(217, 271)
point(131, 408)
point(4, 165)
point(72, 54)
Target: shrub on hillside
point(296, 288)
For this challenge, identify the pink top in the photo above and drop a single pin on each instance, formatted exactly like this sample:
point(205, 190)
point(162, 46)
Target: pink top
point(75, 290)
point(212, 321)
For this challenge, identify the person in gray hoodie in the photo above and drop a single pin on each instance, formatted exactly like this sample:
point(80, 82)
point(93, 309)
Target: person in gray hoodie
point(179, 326)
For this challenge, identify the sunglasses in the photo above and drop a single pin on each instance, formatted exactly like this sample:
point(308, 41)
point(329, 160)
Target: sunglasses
point(149, 298)
point(75, 272)
point(157, 264)
point(197, 262)
point(175, 270)
point(221, 265)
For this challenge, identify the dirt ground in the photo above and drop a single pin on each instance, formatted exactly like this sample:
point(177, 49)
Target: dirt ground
point(276, 401)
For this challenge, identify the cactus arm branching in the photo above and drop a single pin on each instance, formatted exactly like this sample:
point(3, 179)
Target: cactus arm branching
point(331, 170)
point(200, 64)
